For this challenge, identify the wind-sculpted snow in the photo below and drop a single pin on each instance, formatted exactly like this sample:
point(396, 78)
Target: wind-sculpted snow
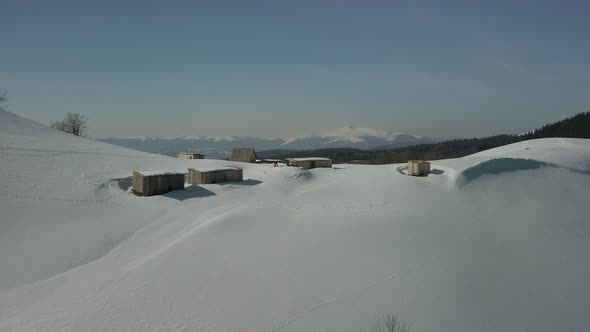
point(496, 167)
point(505, 165)
point(291, 249)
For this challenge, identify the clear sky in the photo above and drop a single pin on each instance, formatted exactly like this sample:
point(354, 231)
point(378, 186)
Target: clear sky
point(285, 67)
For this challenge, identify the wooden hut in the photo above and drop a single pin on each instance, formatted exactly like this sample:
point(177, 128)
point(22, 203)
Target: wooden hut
point(309, 163)
point(157, 183)
point(418, 167)
point(215, 175)
point(243, 155)
point(191, 155)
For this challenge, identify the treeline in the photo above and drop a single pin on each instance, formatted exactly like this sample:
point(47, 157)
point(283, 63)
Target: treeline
point(577, 126)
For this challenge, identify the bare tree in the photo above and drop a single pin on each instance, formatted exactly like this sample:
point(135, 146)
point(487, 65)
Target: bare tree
point(59, 125)
point(390, 323)
point(74, 123)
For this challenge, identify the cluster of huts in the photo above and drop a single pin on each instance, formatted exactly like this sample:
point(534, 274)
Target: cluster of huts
point(249, 156)
point(160, 182)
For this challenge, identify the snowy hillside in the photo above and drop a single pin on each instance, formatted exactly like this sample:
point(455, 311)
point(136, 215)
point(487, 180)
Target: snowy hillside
point(497, 241)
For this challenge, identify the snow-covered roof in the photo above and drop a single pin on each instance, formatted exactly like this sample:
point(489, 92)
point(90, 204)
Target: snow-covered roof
point(214, 169)
point(192, 153)
point(159, 172)
point(310, 159)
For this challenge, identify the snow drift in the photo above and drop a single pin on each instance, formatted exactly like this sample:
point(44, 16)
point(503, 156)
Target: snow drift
point(497, 241)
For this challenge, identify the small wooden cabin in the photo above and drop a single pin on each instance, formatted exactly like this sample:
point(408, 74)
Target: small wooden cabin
point(191, 155)
point(418, 167)
point(309, 163)
point(157, 183)
point(243, 155)
point(215, 175)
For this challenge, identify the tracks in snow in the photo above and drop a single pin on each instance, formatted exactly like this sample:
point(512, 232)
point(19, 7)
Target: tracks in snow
point(64, 199)
point(53, 153)
point(355, 292)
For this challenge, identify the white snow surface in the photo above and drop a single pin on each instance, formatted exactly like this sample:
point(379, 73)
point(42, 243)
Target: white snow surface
point(215, 168)
point(159, 172)
point(497, 241)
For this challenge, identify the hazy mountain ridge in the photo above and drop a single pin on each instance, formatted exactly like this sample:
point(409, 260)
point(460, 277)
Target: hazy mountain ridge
point(220, 147)
point(577, 126)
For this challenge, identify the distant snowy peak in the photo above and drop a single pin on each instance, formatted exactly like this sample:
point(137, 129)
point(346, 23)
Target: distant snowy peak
point(219, 139)
point(355, 135)
point(293, 139)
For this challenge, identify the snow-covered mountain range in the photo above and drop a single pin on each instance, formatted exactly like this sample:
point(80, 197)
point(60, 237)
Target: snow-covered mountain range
point(220, 147)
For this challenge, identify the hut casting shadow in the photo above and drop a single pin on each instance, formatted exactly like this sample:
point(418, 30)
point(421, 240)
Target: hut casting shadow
point(249, 182)
point(189, 193)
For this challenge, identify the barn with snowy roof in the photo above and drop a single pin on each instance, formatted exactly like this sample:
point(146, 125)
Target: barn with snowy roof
point(191, 155)
point(309, 163)
point(418, 167)
point(203, 175)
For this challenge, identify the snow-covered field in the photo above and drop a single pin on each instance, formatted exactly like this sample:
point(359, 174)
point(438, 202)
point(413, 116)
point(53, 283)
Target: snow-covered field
point(497, 241)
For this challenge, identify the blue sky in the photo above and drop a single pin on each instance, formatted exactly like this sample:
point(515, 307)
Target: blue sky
point(285, 67)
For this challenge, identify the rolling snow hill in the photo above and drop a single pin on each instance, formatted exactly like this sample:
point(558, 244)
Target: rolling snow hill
point(496, 241)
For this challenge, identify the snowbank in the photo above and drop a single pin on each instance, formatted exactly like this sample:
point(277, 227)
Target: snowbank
point(291, 249)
